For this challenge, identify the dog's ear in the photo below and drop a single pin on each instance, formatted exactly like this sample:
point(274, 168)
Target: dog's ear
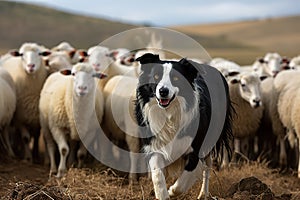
point(148, 58)
point(190, 66)
point(184, 62)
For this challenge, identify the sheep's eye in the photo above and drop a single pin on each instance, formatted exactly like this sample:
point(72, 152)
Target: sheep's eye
point(156, 76)
point(73, 73)
point(175, 78)
point(243, 84)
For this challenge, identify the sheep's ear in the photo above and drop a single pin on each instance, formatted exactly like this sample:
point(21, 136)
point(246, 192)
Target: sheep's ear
point(72, 53)
point(148, 58)
point(83, 53)
point(15, 53)
point(99, 75)
point(66, 72)
point(261, 60)
point(233, 73)
point(45, 53)
point(263, 78)
point(234, 80)
point(46, 62)
point(113, 54)
point(285, 60)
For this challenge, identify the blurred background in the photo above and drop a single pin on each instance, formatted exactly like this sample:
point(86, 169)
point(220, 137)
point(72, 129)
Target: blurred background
point(236, 30)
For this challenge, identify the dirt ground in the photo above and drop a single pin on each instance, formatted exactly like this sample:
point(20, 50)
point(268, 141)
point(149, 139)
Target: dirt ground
point(22, 180)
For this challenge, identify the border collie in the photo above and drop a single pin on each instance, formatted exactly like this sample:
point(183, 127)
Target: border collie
point(173, 110)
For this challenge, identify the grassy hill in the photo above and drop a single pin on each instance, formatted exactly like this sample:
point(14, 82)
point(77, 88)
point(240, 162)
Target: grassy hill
point(239, 41)
point(277, 34)
point(21, 22)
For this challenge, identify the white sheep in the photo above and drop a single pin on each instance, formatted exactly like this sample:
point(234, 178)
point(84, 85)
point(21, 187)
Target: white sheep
point(119, 122)
point(29, 74)
point(226, 67)
point(98, 57)
point(269, 65)
point(7, 107)
point(287, 86)
point(295, 63)
point(101, 62)
point(271, 123)
point(123, 56)
point(246, 97)
point(57, 60)
point(67, 106)
point(73, 53)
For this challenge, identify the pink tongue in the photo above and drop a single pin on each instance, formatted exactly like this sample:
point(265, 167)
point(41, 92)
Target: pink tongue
point(164, 101)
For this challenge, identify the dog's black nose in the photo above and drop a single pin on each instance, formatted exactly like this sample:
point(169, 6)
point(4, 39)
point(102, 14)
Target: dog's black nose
point(164, 92)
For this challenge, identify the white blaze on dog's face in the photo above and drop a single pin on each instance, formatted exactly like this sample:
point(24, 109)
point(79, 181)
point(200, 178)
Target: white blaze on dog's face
point(165, 91)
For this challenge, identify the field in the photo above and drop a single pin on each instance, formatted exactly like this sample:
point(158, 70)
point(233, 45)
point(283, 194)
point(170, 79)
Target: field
point(21, 180)
point(241, 42)
point(256, 37)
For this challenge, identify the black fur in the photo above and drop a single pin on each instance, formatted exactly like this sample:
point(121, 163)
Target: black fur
point(193, 75)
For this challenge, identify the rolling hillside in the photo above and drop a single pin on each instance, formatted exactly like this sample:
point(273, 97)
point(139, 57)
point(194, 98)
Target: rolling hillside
point(239, 41)
point(276, 34)
point(21, 22)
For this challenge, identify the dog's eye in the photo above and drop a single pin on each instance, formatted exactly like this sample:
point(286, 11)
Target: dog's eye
point(175, 78)
point(156, 76)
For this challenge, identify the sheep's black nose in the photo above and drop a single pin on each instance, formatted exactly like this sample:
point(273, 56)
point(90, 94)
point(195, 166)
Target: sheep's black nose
point(164, 92)
point(257, 102)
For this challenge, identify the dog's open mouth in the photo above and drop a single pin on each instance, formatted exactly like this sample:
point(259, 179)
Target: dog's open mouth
point(165, 102)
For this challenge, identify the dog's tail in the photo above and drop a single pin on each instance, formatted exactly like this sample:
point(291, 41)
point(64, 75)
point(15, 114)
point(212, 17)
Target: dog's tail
point(224, 143)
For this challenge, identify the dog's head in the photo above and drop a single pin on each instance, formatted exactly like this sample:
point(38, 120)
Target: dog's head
point(167, 80)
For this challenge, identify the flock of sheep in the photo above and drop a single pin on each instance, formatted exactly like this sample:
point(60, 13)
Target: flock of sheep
point(43, 90)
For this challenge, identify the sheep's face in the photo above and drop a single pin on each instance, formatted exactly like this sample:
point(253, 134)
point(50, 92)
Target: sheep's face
point(127, 59)
point(83, 76)
point(270, 64)
point(83, 82)
point(31, 59)
point(99, 60)
point(57, 61)
point(250, 89)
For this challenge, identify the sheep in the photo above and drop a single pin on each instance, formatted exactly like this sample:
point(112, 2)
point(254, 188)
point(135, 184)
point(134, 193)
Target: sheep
point(286, 85)
point(100, 58)
point(226, 67)
point(75, 55)
point(119, 122)
point(269, 65)
point(29, 74)
point(271, 124)
point(123, 56)
point(246, 97)
point(7, 108)
point(57, 60)
point(295, 62)
point(63, 100)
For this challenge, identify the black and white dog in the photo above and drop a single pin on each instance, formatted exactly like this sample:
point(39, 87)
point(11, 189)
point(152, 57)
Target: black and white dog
point(173, 109)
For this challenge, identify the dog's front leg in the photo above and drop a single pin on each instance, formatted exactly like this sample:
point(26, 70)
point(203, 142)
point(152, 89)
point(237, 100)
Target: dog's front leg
point(156, 164)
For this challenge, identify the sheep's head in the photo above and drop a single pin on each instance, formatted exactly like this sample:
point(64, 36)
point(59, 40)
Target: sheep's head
point(31, 57)
point(270, 64)
point(249, 87)
point(83, 75)
point(98, 58)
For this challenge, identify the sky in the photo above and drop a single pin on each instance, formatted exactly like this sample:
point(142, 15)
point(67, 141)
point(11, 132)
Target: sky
point(176, 12)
